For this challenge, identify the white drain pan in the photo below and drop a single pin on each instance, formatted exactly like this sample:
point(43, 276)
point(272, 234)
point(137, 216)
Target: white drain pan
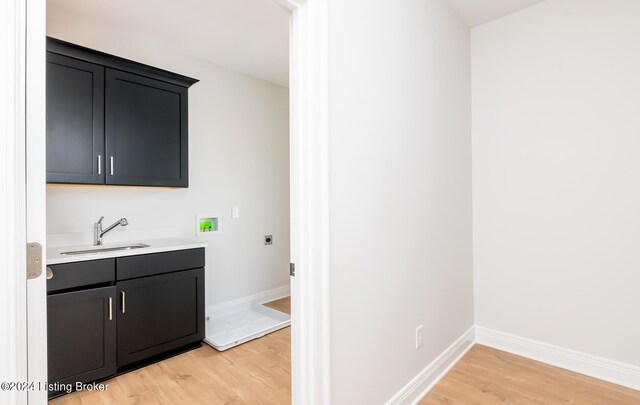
point(239, 324)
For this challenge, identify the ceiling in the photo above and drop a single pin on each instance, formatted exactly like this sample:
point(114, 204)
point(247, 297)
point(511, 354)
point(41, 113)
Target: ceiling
point(476, 12)
point(249, 36)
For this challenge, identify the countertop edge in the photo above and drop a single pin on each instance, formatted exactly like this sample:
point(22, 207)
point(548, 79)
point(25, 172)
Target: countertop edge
point(124, 253)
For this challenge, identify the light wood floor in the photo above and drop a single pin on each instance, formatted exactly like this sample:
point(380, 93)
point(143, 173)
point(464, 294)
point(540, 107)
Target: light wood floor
point(257, 372)
point(486, 376)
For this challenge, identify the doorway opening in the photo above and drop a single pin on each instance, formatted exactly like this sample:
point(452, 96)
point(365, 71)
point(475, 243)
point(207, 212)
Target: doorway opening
point(309, 197)
point(125, 125)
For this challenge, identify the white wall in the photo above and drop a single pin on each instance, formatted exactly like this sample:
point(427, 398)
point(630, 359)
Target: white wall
point(400, 159)
point(556, 175)
point(239, 157)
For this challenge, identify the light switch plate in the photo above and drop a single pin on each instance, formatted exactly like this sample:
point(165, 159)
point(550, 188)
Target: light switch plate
point(235, 213)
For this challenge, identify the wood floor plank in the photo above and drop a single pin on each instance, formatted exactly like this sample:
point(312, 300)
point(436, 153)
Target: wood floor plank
point(487, 376)
point(257, 372)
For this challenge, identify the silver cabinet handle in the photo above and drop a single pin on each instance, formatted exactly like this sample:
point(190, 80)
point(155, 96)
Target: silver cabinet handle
point(111, 164)
point(110, 308)
point(99, 164)
point(123, 297)
point(49, 273)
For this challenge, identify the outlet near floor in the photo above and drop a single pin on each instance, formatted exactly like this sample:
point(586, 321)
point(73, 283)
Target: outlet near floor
point(419, 337)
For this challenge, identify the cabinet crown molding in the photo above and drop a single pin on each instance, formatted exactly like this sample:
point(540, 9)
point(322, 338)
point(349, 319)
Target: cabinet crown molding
point(115, 62)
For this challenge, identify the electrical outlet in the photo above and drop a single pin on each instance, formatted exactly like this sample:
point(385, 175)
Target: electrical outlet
point(419, 337)
point(268, 239)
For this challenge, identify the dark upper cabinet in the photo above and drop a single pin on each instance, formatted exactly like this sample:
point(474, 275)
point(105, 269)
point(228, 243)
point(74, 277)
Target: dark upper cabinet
point(75, 121)
point(146, 127)
point(114, 121)
point(81, 335)
point(159, 313)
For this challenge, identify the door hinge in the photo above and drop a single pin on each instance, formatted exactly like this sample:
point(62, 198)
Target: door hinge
point(34, 260)
point(292, 269)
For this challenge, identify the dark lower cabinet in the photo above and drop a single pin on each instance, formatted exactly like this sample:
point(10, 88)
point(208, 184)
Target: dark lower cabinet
point(159, 313)
point(81, 335)
point(111, 315)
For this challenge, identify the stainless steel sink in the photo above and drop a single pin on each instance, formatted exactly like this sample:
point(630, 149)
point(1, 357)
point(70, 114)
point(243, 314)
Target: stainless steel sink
point(105, 249)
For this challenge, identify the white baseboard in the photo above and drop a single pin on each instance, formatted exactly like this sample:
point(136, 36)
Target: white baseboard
point(604, 369)
point(259, 298)
point(422, 383)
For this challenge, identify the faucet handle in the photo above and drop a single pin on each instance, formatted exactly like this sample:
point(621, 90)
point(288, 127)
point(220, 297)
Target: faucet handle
point(100, 220)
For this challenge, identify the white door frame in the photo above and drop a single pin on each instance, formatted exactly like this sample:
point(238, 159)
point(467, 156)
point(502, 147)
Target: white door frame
point(36, 193)
point(309, 168)
point(13, 339)
point(22, 198)
point(23, 356)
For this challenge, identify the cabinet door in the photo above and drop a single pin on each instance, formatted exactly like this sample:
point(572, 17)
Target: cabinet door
point(81, 338)
point(159, 313)
point(146, 131)
point(75, 121)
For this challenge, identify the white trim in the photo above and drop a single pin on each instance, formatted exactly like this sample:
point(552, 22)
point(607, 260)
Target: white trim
point(36, 206)
point(616, 372)
point(13, 314)
point(422, 383)
point(309, 168)
point(290, 5)
point(598, 367)
point(259, 298)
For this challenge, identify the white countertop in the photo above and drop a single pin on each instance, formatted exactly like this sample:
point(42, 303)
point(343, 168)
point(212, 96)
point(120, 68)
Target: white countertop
point(54, 255)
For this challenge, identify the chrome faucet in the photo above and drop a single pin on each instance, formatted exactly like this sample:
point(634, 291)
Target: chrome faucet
point(98, 233)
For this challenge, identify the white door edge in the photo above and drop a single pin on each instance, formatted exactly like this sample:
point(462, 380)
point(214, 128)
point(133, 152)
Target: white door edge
point(13, 348)
point(309, 168)
point(36, 208)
